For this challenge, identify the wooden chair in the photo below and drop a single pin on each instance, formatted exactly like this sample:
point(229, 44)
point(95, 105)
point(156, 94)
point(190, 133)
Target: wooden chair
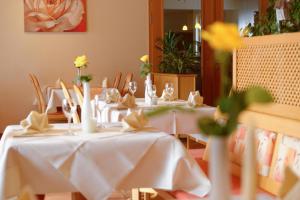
point(117, 80)
point(67, 95)
point(57, 117)
point(125, 87)
point(79, 95)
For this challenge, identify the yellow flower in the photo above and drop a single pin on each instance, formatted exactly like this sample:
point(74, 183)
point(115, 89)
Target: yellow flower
point(81, 61)
point(145, 59)
point(224, 37)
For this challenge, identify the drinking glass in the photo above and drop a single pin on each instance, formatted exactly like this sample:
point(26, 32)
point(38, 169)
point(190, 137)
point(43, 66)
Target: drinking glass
point(69, 108)
point(151, 91)
point(132, 87)
point(169, 87)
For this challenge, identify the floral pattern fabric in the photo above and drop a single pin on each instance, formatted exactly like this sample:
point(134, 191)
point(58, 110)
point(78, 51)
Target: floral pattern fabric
point(265, 141)
point(288, 155)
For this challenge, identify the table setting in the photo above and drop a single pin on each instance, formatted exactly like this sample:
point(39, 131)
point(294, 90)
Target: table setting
point(113, 108)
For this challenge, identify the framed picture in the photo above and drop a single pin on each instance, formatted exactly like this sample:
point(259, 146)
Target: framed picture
point(55, 15)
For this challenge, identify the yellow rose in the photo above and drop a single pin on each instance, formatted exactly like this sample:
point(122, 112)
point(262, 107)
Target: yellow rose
point(81, 61)
point(224, 37)
point(145, 59)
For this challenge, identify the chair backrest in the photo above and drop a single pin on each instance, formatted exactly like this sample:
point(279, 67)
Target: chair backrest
point(79, 95)
point(273, 63)
point(125, 87)
point(117, 80)
point(67, 95)
point(38, 92)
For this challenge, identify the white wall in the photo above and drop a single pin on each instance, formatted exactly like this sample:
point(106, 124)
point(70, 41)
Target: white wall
point(117, 36)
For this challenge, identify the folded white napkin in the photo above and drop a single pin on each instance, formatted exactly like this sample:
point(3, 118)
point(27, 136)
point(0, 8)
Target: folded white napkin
point(128, 101)
point(134, 121)
point(112, 95)
point(166, 97)
point(195, 99)
point(290, 188)
point(35, 122)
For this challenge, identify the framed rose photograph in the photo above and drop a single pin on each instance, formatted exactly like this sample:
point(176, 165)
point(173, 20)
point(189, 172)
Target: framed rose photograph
point(55, 15)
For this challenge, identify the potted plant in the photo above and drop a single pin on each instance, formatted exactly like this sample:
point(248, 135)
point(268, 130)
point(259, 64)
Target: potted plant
point(269, 23)
point(179, 65)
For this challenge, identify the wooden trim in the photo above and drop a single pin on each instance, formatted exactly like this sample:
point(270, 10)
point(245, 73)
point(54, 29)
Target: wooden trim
point(156, 31)
point(212, 11)
point(263, 5)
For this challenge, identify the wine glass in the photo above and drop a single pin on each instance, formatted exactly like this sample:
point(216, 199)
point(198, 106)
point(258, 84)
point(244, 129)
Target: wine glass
point(151, 91)
point(97, 113)
point(69, 108)
point(169, 87)
point(132, 87)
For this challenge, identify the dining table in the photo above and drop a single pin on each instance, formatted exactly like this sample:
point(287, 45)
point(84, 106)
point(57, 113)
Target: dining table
point(173, 122)
point(96, 164)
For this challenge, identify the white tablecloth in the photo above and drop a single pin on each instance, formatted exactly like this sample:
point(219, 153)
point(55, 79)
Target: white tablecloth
point(172, 122)
point(54, 97)
point(96, 164)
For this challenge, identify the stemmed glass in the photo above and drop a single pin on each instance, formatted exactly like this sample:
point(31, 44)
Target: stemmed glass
point(169, 88)
point(132, 87)
point(69, 108)
point(97, 109)
point(151, 91)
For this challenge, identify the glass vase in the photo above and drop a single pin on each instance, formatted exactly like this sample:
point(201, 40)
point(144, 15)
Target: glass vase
point(148, 84)
point(88, 123)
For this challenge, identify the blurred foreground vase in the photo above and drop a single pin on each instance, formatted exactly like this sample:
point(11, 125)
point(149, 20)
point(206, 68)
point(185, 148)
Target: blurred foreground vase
point(219, 169)
point(148, 85)
point(88, 123)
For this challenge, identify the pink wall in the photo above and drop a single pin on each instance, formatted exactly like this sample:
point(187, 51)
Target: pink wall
point(117, 36)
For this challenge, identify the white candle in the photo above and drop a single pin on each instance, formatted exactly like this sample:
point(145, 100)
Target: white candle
point(249, 168)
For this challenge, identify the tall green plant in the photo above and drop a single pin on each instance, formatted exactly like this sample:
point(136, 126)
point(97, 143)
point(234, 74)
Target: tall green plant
point(267, 24)
point(178, 56)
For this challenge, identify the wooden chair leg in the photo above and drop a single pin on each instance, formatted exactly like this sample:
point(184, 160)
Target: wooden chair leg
point(78, 196)
point(188, 145)
point(147, 196)
point(40, 196)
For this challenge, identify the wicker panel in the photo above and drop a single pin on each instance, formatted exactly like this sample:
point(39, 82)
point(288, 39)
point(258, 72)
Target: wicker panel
point(275, 66)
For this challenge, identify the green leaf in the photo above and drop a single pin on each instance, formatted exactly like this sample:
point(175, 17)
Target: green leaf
point(210, 127)
point(258, 95)
point(86, 78)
